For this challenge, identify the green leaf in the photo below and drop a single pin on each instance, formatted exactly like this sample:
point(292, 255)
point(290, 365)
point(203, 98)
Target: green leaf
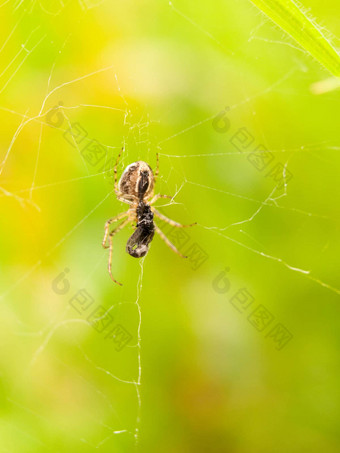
point(291, 18)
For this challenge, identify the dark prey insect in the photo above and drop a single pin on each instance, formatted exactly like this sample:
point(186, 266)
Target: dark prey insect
point(136, 188)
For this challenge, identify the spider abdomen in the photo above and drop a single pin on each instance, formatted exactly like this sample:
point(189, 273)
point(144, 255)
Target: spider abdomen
point(137, 181)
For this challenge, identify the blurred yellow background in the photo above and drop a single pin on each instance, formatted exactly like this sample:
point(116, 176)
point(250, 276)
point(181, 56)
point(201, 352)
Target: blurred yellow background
point(238, 346)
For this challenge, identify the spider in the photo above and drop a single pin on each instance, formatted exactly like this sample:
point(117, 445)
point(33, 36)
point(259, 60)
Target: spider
point(136, 188)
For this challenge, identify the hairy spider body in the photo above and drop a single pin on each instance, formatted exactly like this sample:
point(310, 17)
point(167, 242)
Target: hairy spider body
point(136, 188)
point(137, 181)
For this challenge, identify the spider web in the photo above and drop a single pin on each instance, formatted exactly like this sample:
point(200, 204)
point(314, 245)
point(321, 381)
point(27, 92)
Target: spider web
point(54, 330)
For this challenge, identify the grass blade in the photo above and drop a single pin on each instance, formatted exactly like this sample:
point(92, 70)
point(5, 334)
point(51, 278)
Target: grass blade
point(289, 16)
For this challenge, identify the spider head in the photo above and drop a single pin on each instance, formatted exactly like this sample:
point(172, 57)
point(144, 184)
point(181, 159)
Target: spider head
point(137, 181)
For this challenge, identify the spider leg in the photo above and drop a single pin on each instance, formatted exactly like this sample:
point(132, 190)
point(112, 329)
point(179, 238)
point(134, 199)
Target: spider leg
point(107, 226)
point(157, 167)
point(115, 169)
point(115, 231)
point(171, 222)
point(156, 197)
point(168, 243)
point(122, 197)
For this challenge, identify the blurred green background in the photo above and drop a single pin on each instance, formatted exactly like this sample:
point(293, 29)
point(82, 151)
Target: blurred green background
point(184, 80)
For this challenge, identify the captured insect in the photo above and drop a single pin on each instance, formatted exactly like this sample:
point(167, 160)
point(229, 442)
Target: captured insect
point(136, 188)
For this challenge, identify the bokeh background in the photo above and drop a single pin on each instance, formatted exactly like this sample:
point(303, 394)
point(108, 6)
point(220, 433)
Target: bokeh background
point(238, 345)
